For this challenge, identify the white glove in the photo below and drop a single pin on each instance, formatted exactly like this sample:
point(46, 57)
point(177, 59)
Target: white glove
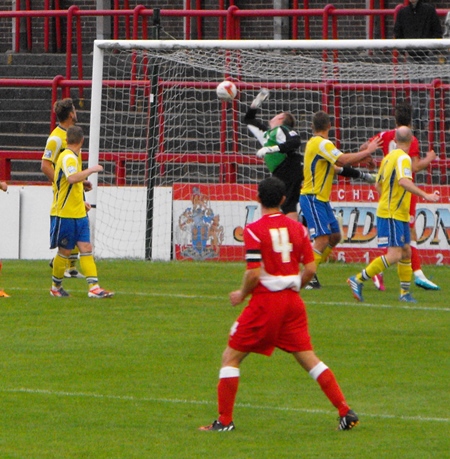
point(260, 98)
point(263, 151)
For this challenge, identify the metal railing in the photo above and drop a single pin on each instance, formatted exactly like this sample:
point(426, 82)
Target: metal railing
point(144, 23)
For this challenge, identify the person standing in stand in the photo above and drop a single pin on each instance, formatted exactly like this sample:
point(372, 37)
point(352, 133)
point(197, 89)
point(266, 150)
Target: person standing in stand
point(419, 20)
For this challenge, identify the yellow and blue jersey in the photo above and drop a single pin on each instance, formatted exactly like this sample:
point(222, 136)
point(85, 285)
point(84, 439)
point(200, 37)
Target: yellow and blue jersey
point(56, 144)
point(69, 197)
point(318, 167)
point(394, 200)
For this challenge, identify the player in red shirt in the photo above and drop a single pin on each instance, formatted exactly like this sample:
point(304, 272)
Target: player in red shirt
point(403, 117)
point(275, 316)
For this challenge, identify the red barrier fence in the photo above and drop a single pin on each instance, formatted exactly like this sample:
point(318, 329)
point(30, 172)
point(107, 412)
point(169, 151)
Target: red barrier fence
point(143, 23)
point(228, 164)
point(136, 22)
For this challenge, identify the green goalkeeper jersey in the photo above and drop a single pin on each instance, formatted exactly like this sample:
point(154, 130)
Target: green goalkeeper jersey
point(272, 137)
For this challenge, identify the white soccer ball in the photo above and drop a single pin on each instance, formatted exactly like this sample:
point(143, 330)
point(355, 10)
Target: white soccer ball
point(226, 91)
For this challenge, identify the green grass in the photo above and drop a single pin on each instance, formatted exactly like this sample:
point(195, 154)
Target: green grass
point(134, 376)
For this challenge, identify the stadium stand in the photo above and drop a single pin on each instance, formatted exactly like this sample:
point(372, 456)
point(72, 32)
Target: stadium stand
point(46, 49)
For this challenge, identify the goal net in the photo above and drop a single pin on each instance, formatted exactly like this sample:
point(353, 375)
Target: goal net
point(180, 166)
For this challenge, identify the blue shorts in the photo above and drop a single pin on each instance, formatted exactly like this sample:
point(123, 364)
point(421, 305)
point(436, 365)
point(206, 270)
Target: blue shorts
point(66, 232)
point(392, 233)
point(319, 216)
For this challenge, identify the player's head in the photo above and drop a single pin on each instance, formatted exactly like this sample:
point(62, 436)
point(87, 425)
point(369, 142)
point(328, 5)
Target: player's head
point(289, 120)
point(403, 114)
point(65, 110)
point(75, 135)
point(271, 192)
point(321, 121)
point(283, 119)
point(403, 136)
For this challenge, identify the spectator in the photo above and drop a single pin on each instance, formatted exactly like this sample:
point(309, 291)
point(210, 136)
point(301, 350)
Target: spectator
point(418, 20)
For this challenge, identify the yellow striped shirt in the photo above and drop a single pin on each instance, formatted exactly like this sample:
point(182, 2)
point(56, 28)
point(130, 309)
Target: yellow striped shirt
point(318, 167)
point(394, 200)
point(69, 197)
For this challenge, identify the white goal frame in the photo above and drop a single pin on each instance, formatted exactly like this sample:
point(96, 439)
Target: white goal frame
point(100, 46)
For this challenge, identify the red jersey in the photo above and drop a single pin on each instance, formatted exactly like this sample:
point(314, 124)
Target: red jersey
point(388, 138)
point(278, 245)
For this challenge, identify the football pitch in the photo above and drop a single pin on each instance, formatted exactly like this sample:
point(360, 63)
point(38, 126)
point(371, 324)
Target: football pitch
point(135, 376)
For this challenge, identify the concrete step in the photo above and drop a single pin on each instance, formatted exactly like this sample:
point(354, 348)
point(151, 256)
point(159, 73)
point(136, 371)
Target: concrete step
point(45, 66)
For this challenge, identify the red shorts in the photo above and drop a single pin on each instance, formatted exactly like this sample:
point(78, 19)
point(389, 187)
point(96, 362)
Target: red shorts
point(273, 319)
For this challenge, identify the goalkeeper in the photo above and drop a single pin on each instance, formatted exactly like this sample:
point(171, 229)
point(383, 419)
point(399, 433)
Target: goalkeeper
point(280, 150)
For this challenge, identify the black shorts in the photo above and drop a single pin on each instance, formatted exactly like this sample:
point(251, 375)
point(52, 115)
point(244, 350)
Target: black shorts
point(290, 171)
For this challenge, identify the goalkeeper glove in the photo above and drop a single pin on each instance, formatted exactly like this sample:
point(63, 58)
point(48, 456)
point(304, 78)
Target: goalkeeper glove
point(260, 98)
point(263, 151)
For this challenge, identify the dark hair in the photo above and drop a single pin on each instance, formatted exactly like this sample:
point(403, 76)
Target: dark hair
point(403, 114)
point(63, 108)
point(271, 191)
point(289, 120)
point(321, 121)
point(74, 135)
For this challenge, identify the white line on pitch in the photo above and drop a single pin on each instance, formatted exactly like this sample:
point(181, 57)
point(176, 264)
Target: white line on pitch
point(206, 402)
point(308, 302)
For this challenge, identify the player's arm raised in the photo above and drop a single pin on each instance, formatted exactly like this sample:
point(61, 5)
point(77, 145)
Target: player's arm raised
point(419, 164)
point(83, 175)
point(360, 156)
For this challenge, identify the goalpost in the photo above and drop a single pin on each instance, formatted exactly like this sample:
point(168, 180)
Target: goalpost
point(180, 166)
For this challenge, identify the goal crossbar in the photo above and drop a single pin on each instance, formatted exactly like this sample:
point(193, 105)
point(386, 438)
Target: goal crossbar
point(156, 98)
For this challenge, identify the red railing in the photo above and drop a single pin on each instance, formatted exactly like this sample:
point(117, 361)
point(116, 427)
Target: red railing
point(228, 164)
point(119, 159)
point(136, 22)
point(227, 170)
point(136, 26)
point(329, 91)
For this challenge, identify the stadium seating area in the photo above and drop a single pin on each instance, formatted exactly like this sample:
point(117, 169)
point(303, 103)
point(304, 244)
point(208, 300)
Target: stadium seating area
point(46, 51)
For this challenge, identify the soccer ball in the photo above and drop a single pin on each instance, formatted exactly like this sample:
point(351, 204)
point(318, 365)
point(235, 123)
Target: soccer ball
point(226, 91)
